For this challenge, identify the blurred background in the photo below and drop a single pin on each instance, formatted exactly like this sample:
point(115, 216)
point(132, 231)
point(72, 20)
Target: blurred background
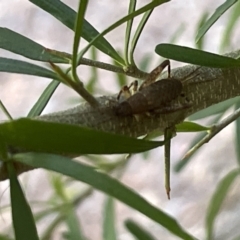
point(192, 188)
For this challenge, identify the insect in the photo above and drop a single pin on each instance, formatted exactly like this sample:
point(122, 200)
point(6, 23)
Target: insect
point(151, 95)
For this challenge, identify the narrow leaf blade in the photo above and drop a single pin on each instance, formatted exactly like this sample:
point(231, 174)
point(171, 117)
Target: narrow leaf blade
point(33, 135)
point(67, 16)
point(17, 66)
point(237, 135)
point(138, 231)
point(190, 127)
point(217, 14)
point(23, 221)
point(17, 43)
point(109, 231)
point(217, 200)
point(41, 103)
point(103, 183)
point(195, 56)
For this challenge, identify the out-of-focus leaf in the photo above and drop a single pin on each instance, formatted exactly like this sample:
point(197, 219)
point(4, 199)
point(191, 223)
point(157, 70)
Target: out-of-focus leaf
point(131, 9)
point(190, 127)
point(23, 222)
point(91, 83)
point(4, 237)
point(236, 238)
point(185, 160)
point(5, 111)
point(217, 14)
point(17, 43)
point(232, 21)
point(217, 200)
point(79, 23)
point(149, 6)
point(138, 33)
point(103, 183)
point(34, 135)
point(17, 66)
point(109, 231)
point(177, 34)
point(74, 229)
point(41, 103)
point(138, 231)
point(67, 16)
point(201, 22)
point(237, 135)
point(195, 56)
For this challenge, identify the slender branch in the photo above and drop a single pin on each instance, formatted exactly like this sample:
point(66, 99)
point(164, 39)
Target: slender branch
point(77, 85)
point(79, 88)
point(131, 72)
point(208, 87)
point(215, 129)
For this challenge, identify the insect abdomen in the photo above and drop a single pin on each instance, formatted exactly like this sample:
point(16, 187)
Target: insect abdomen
point(154, 96)
point(133, 105)
point(161, 92)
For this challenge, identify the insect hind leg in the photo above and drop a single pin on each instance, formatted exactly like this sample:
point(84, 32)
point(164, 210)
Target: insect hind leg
point(154, 74)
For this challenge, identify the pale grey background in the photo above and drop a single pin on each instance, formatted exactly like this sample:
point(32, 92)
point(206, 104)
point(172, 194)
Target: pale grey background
point(193, 187)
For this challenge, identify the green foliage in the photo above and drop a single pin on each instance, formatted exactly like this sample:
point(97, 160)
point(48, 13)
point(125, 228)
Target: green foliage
point(195, 56)
point(39, 142)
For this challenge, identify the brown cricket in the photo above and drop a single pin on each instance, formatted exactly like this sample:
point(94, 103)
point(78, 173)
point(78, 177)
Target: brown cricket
point(151, 95)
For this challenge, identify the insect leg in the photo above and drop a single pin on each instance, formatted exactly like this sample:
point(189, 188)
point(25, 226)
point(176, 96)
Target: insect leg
point(126, 90)
point(168, 133)
point(154, 74)
point(135, 86)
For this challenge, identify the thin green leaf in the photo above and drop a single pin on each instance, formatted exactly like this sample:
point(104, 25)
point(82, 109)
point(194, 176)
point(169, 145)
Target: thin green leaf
point(58, 187)
point(217, 14)
point(77, 36)
point(191, 127)
point(131, 9)
point(103, 183)
point(195, 56)
point(145, 8)
point(215, 109)
point(5, 111)
point(229, 30)
point(109, 231)
point(237, 135)
point(177, 34)
point(17, 66)
point(5, 237)
point(59, 218)
point(23, 222)
point(61, 211)
point(74, 229)
point(67, 16)
point(138, 32)
point(41, 103)
point(34, 135)
point(217, 200)
point(236, 238)
point(91, 83)
point(200, 43)
point(138, 231)
point(17, 43)
point(182, 163)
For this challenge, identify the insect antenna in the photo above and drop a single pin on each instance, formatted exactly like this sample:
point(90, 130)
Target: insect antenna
point(191, 75)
